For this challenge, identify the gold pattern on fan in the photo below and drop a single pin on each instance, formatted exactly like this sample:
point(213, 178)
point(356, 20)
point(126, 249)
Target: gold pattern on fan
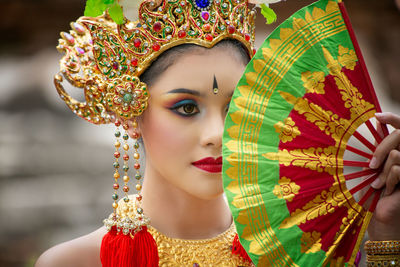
point(287, 130)
point(310, 242)
point(287, 189)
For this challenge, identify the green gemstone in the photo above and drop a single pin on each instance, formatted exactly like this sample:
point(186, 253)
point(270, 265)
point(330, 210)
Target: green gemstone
point(127, 98)
point(125, 168)
point(136, 145)
point(116, 165)
point(138, 176)
point(139, 210)
point(125, 136)
point(117, 134)
point(126, 199)
point(115, 196)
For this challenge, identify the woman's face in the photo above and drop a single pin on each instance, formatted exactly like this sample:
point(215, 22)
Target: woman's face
point(183, 124)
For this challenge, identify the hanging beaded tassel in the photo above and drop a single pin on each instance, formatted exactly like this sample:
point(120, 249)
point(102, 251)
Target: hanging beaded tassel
point(128, 243)
point(146, 252)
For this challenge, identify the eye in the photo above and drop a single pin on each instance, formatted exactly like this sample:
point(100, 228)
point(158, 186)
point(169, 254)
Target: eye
point(186, 108)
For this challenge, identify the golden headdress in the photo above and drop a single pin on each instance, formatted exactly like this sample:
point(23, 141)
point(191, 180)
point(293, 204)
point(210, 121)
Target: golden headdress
point(107, 59)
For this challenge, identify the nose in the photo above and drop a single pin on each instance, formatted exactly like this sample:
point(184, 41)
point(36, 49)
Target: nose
point(211, 135)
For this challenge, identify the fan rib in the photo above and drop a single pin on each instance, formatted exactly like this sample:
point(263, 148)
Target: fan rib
point(358, 152)
point(364, 141)
point(354, 175)
point(353, 163)
point(375, 200)
point(363, 184)
point(366, 196)
point(376, 135)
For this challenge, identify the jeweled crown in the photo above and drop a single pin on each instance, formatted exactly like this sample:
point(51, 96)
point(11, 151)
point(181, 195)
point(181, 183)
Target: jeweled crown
point(106, 59)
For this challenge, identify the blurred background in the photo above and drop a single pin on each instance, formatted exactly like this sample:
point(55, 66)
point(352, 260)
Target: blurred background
point(55, 168)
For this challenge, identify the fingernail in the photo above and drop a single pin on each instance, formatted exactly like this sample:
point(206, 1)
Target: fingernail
point(372, 163)
point(375, 183)
point(378, 114)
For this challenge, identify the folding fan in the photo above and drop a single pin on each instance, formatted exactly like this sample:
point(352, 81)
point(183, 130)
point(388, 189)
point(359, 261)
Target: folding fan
point(302, 97)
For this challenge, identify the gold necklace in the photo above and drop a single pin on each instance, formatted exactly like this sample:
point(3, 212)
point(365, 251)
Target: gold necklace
point(216, 251)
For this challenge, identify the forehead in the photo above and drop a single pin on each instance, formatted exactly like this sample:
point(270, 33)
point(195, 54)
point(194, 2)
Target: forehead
point(196, 70)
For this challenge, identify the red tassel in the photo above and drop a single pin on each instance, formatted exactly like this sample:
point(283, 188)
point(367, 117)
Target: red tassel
point(106, 251)
point(145, 247)
point(119, 250)
point(238, 249)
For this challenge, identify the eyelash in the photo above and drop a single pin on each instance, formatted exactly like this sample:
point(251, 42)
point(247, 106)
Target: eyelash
point(185, 103)
point(180, 106)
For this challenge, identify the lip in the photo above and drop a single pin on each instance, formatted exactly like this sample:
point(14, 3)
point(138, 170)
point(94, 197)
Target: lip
point(209, 164)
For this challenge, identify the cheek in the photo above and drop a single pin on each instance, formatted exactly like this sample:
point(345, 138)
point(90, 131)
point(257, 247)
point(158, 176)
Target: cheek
point(162, 135)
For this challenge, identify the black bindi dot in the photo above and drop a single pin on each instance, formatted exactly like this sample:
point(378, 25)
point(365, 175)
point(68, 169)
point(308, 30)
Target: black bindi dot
point(215, 86)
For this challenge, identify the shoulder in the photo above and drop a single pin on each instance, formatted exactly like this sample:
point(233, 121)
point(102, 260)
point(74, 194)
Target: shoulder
point(80, 252)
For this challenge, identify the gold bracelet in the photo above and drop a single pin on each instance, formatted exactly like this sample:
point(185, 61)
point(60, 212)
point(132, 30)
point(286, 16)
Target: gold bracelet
point(383, 260)
point(382, 253)
point(391, 247)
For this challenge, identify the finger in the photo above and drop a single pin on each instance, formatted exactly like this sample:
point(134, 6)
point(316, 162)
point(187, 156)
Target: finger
point(392, 161)
point(393, 179)
point(388, 144)
point(389, 118)
point(379, 129)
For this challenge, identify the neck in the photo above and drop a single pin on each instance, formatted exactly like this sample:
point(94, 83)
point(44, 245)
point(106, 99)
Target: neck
point(178, 214)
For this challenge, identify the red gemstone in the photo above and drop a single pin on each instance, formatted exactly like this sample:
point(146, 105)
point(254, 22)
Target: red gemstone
point(115, 65)
point(156, 47)
point(125, 126)
point(137, 42)
point(157, 26)
point(116, 186)
point(136, 166)
point(209, 37)
point(125, 189)
point(181, 34)
point(117, 123)
point(138, 198)
point(247, 37)
point(117, 154)
point(135, 135)
point(206, 27)
point(254, 51)
point(125, 157)
point(134, 62)
point(231, 29)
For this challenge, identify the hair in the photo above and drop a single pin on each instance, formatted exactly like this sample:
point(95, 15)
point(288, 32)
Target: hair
point(166, 59)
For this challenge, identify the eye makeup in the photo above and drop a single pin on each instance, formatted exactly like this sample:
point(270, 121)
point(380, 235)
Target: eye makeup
point(185, 107)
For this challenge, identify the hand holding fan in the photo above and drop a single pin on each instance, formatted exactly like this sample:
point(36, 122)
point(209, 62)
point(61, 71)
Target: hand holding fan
point(305, 93)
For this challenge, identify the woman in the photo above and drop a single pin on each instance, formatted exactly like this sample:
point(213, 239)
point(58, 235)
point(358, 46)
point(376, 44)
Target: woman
point(190, 89)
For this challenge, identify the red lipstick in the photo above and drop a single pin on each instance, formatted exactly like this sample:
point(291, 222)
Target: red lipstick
point(209, 164)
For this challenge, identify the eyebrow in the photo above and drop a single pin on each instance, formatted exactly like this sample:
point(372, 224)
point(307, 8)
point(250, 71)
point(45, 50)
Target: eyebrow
point(184, 91)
